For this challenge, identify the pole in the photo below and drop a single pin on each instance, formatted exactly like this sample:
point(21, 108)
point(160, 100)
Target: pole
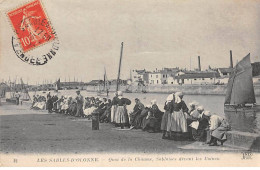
point(119, 68)
point(190, 63)
point(231, 59)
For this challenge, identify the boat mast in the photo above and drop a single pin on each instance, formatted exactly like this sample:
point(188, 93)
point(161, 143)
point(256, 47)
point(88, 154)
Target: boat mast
point(105, 88)
point(119, 68)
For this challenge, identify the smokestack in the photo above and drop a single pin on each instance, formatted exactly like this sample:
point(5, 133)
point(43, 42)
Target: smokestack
point(231, 59)
point(199, 63)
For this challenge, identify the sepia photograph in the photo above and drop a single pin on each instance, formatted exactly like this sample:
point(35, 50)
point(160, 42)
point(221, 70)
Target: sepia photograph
point(128, 83)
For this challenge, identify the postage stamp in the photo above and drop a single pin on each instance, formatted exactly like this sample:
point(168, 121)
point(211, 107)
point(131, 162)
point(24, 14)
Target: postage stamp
point(31, 25)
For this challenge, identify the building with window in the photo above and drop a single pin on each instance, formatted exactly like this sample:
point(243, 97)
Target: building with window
point(162, 76)
point(157, 77)
point(197, 78)
point(224, 71)
point(139, 76)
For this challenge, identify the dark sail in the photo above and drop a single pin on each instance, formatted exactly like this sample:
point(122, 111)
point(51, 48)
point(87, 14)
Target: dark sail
point(240, 88)
point(229, 88)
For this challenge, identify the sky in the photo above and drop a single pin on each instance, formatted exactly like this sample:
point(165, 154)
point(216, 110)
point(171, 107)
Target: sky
point(156, 34)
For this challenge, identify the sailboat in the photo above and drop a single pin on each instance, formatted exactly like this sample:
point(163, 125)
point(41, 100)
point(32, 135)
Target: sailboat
point(104, 89)
point(24, 92)
point(240, 95)
point(24, 95)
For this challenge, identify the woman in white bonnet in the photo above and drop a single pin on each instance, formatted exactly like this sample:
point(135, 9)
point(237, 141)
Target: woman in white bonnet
point(218, 127)
point(168, 107)
point(121, 115)
point(177, 122)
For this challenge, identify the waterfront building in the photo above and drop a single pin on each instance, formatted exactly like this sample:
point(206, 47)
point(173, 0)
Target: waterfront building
point(113, 82)
point(157, 77)
point(224, 71)
point(172, 80)
point(71, 85)
point(95, 82)
point(202, 77)
point(163, 76)
point(139, 76)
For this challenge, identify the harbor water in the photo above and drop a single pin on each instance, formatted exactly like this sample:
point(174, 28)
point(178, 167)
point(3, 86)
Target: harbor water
point(215, 103)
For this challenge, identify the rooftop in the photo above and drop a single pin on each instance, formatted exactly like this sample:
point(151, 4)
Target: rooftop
point(198, 75)
point(225, 70)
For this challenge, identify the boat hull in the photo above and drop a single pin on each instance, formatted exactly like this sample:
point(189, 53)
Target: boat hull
point(231, 108)
point(11, 100)
point(102, 94)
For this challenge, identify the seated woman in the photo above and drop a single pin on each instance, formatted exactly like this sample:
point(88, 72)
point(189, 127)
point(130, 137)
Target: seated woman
point(145, 112)
point(87, 103)
point(88, 111)
point(72, 110)
point(198, 125)
point(152, 121)
point(40, 104)
point(190, 116)
point(105, 117)
point(218, 127)
point(60, 102)
point(102, 106)
point(135, 115)
point(65, 105)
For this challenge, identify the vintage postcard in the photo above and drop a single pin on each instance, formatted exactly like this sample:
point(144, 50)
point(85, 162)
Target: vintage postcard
point(129, 83)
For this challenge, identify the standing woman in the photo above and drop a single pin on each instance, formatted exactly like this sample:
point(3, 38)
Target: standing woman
point(49, 104)
point(80, 101)
point(114, 107)
point(121, 112)
point(168, 107)
point(177, 122)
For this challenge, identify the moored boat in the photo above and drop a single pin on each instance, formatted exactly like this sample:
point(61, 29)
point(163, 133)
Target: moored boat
point(240, 95)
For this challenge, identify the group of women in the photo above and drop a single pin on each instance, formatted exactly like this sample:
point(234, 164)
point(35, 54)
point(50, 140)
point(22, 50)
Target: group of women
point(177, 122)
point(193, 123)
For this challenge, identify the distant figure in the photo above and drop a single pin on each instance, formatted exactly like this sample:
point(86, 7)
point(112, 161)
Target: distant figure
point(80, 101)
point(17, 96)
point(107, 92)
point(54, 102)
point(49, 104)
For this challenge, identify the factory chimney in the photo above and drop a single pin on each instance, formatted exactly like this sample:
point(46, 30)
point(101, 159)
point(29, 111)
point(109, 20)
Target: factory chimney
point(231, 59)
point(199, 63)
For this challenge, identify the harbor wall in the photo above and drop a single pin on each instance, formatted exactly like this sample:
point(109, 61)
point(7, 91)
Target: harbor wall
point(187, 89)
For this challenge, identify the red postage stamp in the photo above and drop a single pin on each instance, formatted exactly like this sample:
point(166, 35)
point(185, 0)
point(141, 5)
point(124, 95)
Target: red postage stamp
point(31, 25)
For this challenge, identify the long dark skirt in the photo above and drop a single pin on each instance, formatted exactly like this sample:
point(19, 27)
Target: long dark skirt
point(79, 110)
point(121, 115)
point(165, 120)
point(49, 105)
point(72, 109)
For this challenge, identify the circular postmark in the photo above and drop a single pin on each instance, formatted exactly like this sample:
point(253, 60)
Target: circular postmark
point(38, 58)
